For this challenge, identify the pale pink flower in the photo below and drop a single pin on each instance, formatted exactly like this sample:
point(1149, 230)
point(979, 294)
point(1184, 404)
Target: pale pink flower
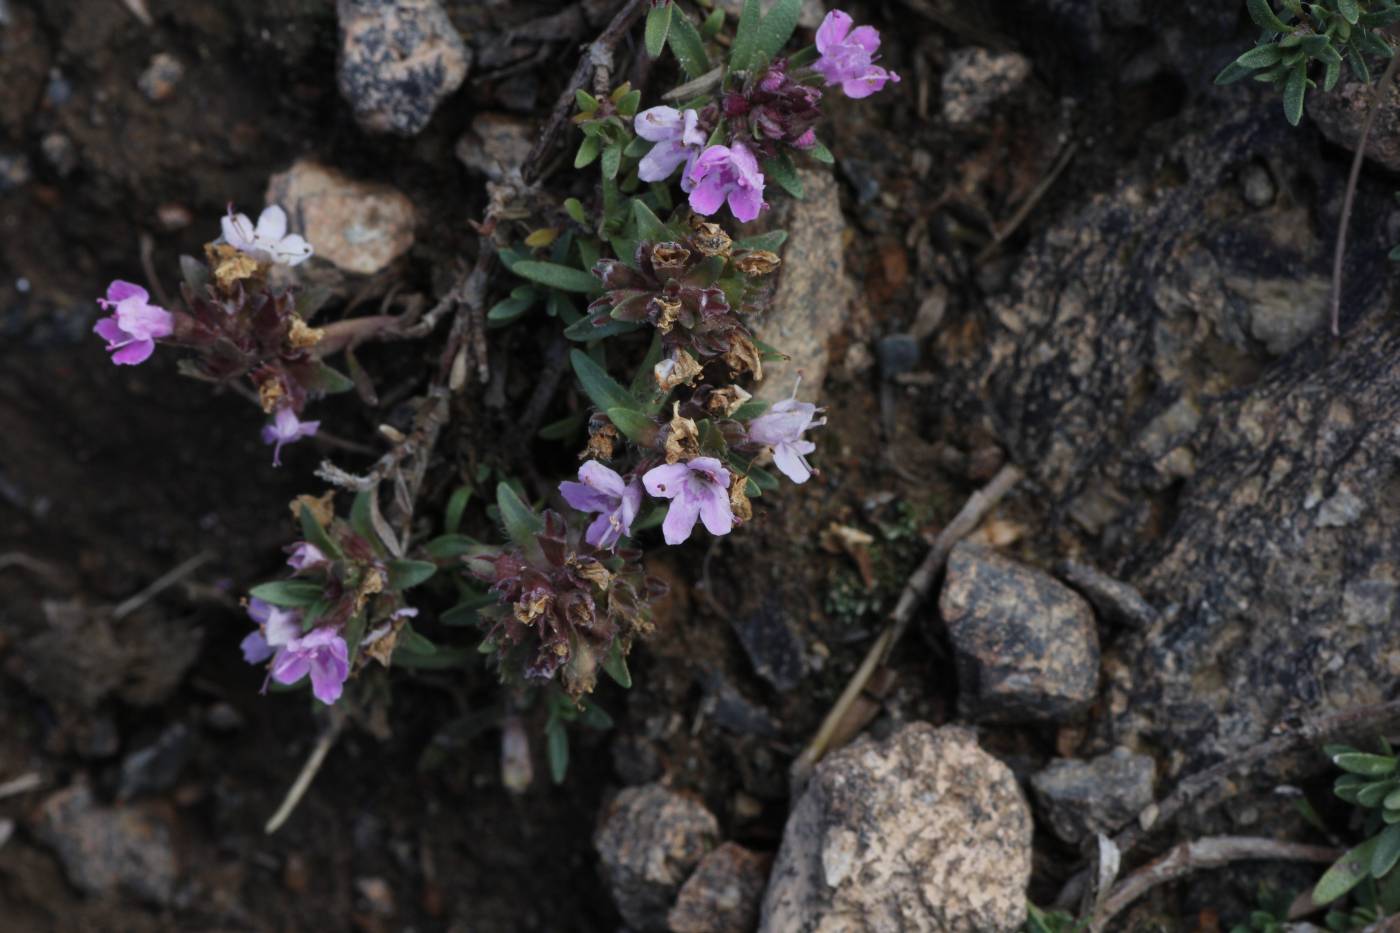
point(698, 489)
point(678, 141)
point(782, 427)
point(269, 241)
point(286, 428)
point(848, 56)
point(135, 325)
point(323, 654)
point(600, 489)
point(725, 173)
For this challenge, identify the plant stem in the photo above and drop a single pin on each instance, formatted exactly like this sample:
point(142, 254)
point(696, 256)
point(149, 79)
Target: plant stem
point(1341, 251)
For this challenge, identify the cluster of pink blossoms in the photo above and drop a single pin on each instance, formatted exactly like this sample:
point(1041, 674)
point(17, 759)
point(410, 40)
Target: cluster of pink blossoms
point(720, 174)
point(698, 488)
point(135, 324)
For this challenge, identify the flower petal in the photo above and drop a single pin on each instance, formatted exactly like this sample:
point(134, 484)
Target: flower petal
point(661, 161)
point(745, 203)
point(708, 194)
point(658, 123)
point(238, 230)
point(601, 530)
point(272, 222)
point(138, 351)
point(833, 30)
point(121, 290)
point(584, 497)
point(790, 462)
point(864, 37)
point(109, 330)
point(602, 478)
point(255, 648)
point(715, 511)
point(666, 481)
point(711, 470)
point(680, 519)
point(289, 666)
point(328, 678)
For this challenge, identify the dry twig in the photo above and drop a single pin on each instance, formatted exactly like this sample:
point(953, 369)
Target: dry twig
point(166, 580)
point(915, 592)
point(1199, 854)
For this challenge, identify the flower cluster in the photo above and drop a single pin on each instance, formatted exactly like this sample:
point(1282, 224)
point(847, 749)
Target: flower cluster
point(238, 324)
point(341, 607)
point(768, 110)
point(566, 607)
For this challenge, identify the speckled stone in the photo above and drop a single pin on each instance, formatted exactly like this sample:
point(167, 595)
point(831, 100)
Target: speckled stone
point(724, 893)
point(1025, 644)
point(398, 60)
point(650, 841)
point(922, 833)
point(1099, 795)
point(359, 227)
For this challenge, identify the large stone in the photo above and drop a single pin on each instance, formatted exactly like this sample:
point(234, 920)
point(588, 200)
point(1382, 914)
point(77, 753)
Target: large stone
point(104, 848)
point(922, 832)
point(398, 60)
point(651, 839)
point(724, 893)
point(1095, 796)
point(1026, 645)
point(358, 226)
point(814, 294)
point(1341, 113)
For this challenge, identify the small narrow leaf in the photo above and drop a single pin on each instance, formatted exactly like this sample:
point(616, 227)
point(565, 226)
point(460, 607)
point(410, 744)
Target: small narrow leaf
point(612, 160)
point(1387, 851)
point(820, 153)
point(649, 226)
point(446, 547)
point(777, 28)
point(520, 521)
point(1351, 12)
point(557, 750)
point(780, 170)
point(635, 425)
point(565, 278)
point(616, 666)
point(687, 46)
point(456, 505)
point(712, 24)
point(1365, 764)
point(409, 573)
point(291, 593)
point(772, 241)
point(1261, 56)
point(586, 101)
point(1262, 12)
point(602, 389)
point(587, 151)
point(658, 25)
point(1346, 873)
point(1293, 93)
point(745, 36)
point(312, 531)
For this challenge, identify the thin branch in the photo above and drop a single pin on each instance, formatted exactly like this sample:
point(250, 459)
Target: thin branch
point(21, 785)
point(1002, 232)
point(162, 583)
point(915, 592)
point(1339, 255)
point(308, 772)
point(1213, 785)
point(1199, 854)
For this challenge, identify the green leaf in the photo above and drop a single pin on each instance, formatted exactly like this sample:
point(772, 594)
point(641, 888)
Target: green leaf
point(446, 547)
point(1293, 93)
point(612, 160)
point(1387, 851)
point(1332, 73)
point(354, 633)
point(1346, 873)
point(584, 329)
point(750, 409)
point(1261, 56)
point(712, 24)
point(1262, 12)
point(404, 574)
point(635, 425)
point(574, 208)
point(440, 659)
point(616, 666)
point(777, 28)
point(627, 104)
point(586, 101)
point(745, 36)
point(1373, 793)
point(521, 522)
point(649, 226)
point(456, 505)
point(1365, 764)
point(1380, 19)
point(780, 170)
point(688, 47)
point(360, 520)
point(772, 241)
point(822, 154)
point(553, 275)
point(803, 56)
point(329, 380)
point(413, 642)
point(312, 531)
point(604, 390)
point(1231, 73)
point(557, 746)
point(658, 25)
point(291, 593)
point(587, 151)
point(508, 309)
point(594, 716)
point(1351, 12)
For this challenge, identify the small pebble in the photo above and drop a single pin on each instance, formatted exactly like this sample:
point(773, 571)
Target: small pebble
point(14, 171)
point(174, 216)
point(897, 353)
point(1258, 186)
point(60, 153)
point(161, 76)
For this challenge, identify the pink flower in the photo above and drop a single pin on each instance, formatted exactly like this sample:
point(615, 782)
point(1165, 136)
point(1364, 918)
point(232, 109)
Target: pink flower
point(782, 427)
point(678, 140)
point(725, 172)
point(269, 241)
point(305, 555)
point(697, 489)
point(286, 428)
point(276, 627)
point(135, 325)
point(601, 490)
point(848, 56)
point(321, 653)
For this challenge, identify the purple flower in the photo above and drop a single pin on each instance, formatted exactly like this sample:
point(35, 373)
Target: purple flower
point(601, 490)
point(305, 555)
point(782, 427)
point(286, 428)
point(678, 140)
point(848, 56)
point(697, 489)
point(269, 240)
point(725, 171)
point(276, 627)
point(323, 654)
point(135, 325)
